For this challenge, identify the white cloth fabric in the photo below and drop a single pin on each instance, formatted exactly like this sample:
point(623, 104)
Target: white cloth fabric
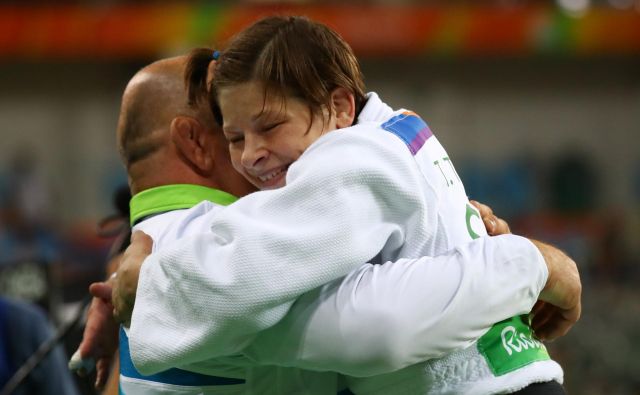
point(355, 195)
point(167, 228)
point(164, 229)
point(344, 326)
point(381, 318)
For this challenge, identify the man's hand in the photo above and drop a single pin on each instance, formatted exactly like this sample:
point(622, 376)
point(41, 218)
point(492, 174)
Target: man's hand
point(560, 305)
point(125, 282)
point(100, 337)
point(494, 225)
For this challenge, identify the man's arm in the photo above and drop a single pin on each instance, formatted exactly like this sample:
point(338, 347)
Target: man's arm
point(382, 318)
point(560, 305)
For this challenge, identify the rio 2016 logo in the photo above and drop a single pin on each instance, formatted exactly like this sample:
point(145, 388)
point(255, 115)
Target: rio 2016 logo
point(512, 341)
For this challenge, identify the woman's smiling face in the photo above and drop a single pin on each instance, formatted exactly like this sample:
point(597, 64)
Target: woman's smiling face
point(267, 134)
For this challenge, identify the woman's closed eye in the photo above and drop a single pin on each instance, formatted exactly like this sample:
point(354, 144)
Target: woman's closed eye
point(271, 126)
point(234, 138)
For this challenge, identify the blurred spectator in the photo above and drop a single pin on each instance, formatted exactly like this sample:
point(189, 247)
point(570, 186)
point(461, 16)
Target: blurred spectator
point(25, 188)
point(23, 329)
point(23, 240)
point(28, 247)
point(25, 202)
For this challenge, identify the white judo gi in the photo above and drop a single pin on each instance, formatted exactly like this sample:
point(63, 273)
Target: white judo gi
point(381, 190)
point(168, 213)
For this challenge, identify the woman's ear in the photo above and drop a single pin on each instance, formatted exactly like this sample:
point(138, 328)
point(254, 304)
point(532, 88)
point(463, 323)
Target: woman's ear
point(193, 142)
point(343, 106)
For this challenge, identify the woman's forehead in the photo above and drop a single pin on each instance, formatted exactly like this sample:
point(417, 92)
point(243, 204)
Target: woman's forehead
point(256, 100)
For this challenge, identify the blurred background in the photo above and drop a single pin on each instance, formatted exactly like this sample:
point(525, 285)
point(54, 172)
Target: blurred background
point(537, 102)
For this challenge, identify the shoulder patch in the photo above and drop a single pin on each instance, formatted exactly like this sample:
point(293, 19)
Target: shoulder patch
point(410, 128)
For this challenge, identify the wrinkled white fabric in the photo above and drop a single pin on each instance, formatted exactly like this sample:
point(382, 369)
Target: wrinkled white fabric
point(169, 227)
point(381, 318)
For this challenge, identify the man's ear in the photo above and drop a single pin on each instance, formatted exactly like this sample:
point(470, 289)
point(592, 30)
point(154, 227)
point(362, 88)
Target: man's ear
point(343, 106)
point(193, 142)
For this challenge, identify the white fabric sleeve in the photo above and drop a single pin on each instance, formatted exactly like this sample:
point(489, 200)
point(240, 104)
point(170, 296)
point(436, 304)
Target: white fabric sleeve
point(211, 293)
point(381, 318)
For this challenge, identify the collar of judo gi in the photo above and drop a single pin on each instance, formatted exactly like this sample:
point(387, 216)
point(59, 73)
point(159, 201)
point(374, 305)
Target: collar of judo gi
point(174, 197)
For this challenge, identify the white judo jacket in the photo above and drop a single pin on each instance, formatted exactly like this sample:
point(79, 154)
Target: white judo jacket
point(168, 213)
point(382, 190)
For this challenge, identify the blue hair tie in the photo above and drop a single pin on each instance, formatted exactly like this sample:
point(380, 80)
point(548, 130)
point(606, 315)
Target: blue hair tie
point(216, 54)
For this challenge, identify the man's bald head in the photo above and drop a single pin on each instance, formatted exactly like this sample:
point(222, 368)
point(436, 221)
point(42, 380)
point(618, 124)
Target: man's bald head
point(152, 99)
point(164, 138)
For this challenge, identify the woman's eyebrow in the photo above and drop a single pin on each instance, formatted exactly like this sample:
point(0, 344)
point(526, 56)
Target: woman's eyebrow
point(268, 115)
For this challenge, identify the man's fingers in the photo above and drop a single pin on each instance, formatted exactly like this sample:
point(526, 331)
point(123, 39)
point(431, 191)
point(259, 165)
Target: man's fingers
point(551, 322)
point(542, 317)
point(494, 225)
point(97, 317)
point(487, 216)
point(102, 372)
point(141, 241)
point(482, 208)
point(554, 328)
point(537, 307)
point(126, 282)
point(490, 224)
point(118, 310)
point(119, 314)
point(502, 227)
point(121, 308)
point(101, 290)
